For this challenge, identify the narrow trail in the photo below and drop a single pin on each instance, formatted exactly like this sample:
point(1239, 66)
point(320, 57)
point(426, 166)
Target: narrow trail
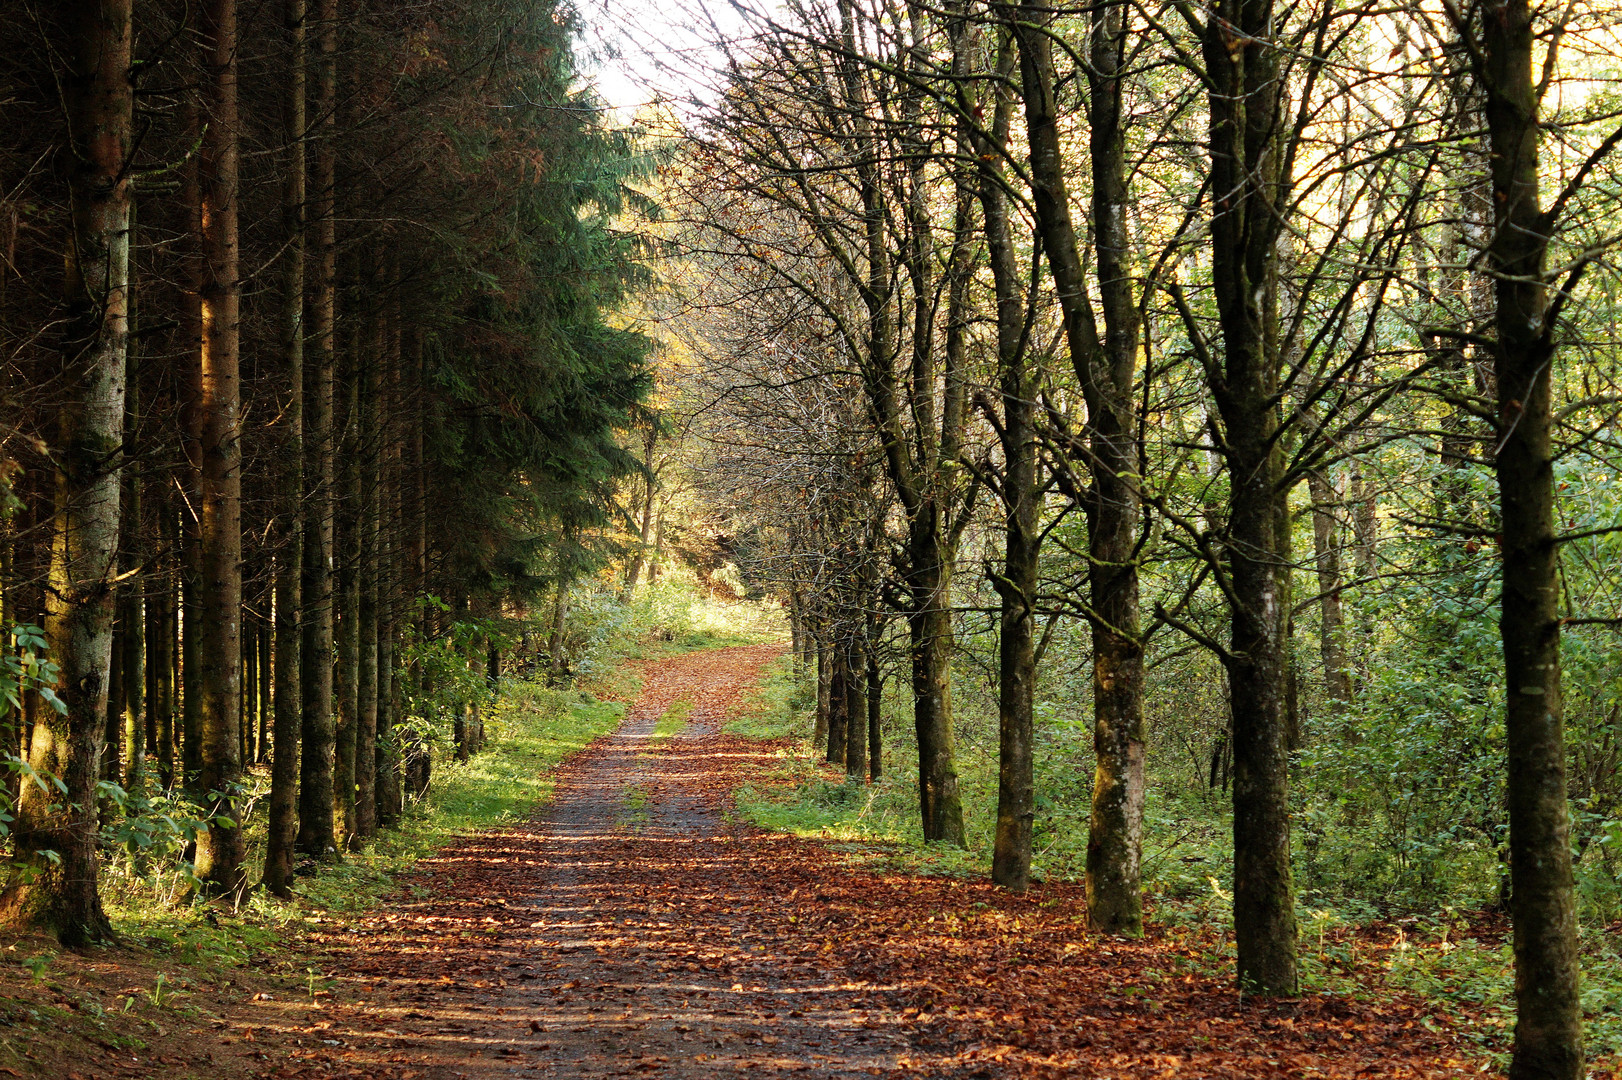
point(609, 937)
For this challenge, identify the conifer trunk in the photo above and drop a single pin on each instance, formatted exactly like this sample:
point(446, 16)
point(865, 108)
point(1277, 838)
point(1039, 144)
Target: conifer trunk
point(247, 710)
point(286, 705)
point(316, 832)
point(132, 613)
point(219, 861)
point(347, 628)
point(366, 572)
point(61, 895)
point(160, 636)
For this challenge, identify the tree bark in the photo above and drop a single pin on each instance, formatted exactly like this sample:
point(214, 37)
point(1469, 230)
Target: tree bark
point(219, 652)
point(282, 828)
point(160, 636)
point(394, 575)
point(347, 619)
point(1106, 368)
point(650, 442)
point(1331, 620)
point(922, 420)
point(132, 604)
point(1016, 585)
point(825, 674)
point(366, 572)
point(555, 644)
point(247, 710)
point(856, 713)
point(941, 807)
point(1244, 103)
point(263, 627)
point(875, 714)
point(1548, 1024)
point(62, 895)
point(317, 834)
point(1115, 840)
point(838, 701)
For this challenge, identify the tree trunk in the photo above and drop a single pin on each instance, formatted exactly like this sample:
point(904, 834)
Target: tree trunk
point(875, 714)
point(838, 702)
point(1016, 586)
point(131, 618)
point(1548, 1024)
point(134, 673)
point(650, 441)
point(825, 674)
point(286, 707)
point(113, 722)
point(366, 572)
point(189, 673)
point(347, 619)
point(930, 629)
point(386, 756)
point(796, 631)
point(1115, 840)
point(247, 709)
point(189, 626)
point(856, 713)
point(219, 860)
point(1332, 623)
point(1105, 368)
point(1244, 103)
point(558, 663)
point(316, 834)
point(160, 636)
point(921, 432)
point(61, 895)
point(262, 627)
point(393, 573)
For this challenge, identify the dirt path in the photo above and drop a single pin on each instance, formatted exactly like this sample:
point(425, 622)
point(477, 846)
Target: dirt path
point(610, 937)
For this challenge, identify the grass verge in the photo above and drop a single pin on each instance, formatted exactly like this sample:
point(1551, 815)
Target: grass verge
point(532, 730)
point(673, 720)
point(874, 824)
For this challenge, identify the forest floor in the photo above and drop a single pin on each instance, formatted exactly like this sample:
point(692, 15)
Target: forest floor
point(634, 927)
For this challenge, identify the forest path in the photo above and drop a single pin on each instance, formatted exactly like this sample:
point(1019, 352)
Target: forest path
point(633, 929)
point(626, 931)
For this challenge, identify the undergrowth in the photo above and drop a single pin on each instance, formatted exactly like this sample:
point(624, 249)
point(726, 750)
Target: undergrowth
point(532, 729)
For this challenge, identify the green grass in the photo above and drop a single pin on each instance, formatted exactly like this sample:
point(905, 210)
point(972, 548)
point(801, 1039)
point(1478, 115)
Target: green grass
point(637, 799)
point(531, 729)
point(778, 707)
point(875, 824)
point(673, 721)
